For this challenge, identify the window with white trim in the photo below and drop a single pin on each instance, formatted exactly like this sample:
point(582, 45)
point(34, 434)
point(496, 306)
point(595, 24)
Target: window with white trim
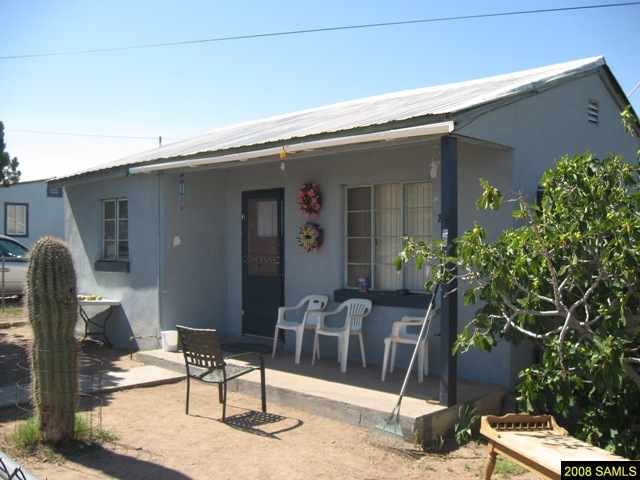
point(377, 217)
point(16, 219)
point(115, 229)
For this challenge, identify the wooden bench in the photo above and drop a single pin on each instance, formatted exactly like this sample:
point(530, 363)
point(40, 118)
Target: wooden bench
point(536, 442)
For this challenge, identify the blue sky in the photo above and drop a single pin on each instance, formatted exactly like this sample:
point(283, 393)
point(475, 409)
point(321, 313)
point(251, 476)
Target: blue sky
point(181, 91)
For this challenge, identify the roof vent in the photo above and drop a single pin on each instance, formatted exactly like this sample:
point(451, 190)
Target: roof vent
point(593, 111)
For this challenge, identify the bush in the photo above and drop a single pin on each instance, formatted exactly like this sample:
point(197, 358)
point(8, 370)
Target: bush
point(567, 278)
point(27, 437)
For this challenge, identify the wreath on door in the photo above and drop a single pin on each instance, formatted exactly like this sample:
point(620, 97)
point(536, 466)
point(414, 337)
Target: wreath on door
point(310, 237)
point(310, 199)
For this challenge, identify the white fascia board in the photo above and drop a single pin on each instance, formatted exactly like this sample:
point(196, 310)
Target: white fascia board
point(442, 128)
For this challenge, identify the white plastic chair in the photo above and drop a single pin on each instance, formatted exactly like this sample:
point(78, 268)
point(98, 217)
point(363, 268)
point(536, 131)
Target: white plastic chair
point(315, 305)
point(357, 310)
point(400, 334)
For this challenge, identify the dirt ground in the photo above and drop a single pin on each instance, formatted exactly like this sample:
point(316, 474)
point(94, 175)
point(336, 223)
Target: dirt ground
point(15, 344)
point(156, 440)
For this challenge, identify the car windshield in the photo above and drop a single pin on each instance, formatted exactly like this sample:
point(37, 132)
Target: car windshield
point(9, 249)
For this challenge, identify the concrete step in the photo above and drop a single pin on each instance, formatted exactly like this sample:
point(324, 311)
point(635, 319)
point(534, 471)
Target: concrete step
point(360, 403)
point(144, 376)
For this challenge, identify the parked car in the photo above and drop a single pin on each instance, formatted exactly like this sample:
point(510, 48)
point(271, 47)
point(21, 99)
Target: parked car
point(16, 261)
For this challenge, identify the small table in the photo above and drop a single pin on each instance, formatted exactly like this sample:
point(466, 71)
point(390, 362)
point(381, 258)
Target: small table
point(99, 329)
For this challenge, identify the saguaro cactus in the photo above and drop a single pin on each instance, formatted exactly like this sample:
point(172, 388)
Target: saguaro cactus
point(53, 309)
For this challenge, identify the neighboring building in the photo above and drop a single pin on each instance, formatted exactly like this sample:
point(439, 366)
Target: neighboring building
point(202, 232)
point(31, 210)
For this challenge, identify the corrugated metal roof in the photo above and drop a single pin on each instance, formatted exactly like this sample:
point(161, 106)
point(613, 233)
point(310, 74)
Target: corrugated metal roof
point(364, 112)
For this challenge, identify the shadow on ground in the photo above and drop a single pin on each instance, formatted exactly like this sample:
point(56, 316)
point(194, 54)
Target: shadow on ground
point(118, 465)
point(97, 363)
point(254, 422)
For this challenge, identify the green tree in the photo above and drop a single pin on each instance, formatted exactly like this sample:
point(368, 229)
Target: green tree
point(9, 173)
point(630, 122)
point(568, 279)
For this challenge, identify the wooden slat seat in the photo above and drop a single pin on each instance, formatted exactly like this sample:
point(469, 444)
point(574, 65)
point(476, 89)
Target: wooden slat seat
point(537, 443)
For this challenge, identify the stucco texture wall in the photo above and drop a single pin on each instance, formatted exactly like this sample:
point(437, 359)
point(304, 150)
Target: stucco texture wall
point(138, 289)
point(544, 127)
point(193, 279)
point(540, 129)
point(46, 214)
point(323, 271)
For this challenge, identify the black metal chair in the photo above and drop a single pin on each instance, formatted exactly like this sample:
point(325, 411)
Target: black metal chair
point(205, 361)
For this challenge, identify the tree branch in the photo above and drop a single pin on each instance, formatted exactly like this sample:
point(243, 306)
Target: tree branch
point(557, 292)
point(537, 295)
point(522, 311)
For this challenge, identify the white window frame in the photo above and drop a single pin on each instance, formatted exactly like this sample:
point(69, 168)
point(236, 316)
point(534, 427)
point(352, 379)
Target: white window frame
point(372, 212)
point(103, 204)
point(14, 233)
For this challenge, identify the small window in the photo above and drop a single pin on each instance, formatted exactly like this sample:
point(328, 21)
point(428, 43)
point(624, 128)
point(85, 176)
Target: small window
point(54, 190)
point(16, 219)
point(115, 229)
point(377, 219)
point(593, 112)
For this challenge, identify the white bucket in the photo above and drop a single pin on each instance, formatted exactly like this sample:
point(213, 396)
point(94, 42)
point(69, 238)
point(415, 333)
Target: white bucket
point(169, 340)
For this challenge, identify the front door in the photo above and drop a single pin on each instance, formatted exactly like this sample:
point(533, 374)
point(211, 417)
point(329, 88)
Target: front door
point(262, 260)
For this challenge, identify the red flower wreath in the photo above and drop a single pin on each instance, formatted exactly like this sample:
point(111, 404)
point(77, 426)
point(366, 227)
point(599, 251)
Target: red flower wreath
point(309, 199)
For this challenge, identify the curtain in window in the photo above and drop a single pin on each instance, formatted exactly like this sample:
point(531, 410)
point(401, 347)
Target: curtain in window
point(378, 218)
point(16, 219)
point(417, 225)
point(388, 235)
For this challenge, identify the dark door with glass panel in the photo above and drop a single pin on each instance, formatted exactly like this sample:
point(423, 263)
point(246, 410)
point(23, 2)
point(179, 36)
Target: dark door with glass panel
point(262, 260)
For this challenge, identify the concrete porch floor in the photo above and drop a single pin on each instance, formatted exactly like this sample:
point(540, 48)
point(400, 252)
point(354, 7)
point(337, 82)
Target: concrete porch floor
point(357, 397)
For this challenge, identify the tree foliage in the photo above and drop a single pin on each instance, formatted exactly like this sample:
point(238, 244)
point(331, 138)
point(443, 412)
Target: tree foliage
point(567, 277)
point(9, 172)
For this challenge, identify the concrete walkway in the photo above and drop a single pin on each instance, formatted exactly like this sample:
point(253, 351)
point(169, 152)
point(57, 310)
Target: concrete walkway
point(144, 376)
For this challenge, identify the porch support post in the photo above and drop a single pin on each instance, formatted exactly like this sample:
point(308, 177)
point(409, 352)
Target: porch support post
point(449, 305)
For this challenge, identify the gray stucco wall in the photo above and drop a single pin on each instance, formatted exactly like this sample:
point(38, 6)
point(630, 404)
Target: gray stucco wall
point(193, 279)
point(138, 289)
point(46, 214)
point(541, 129)
point(323, 271)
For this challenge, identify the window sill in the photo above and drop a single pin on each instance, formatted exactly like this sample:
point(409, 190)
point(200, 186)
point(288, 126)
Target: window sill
point(384, 297)
point(112, 266)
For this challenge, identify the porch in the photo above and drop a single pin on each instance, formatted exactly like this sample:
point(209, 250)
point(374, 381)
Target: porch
point(230, 257)
point(357, 397)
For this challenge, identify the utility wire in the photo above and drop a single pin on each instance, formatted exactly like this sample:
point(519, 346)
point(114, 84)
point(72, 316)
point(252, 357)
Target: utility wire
point(71, 134)
point(322, 30)
point(633, 90)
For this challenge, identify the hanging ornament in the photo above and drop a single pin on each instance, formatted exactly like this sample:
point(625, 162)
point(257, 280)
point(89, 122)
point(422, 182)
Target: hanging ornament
point(181, 191)
point(283, 157)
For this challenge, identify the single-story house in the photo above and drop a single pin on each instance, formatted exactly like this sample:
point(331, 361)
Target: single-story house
point(203, 232)
point(32, 209)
